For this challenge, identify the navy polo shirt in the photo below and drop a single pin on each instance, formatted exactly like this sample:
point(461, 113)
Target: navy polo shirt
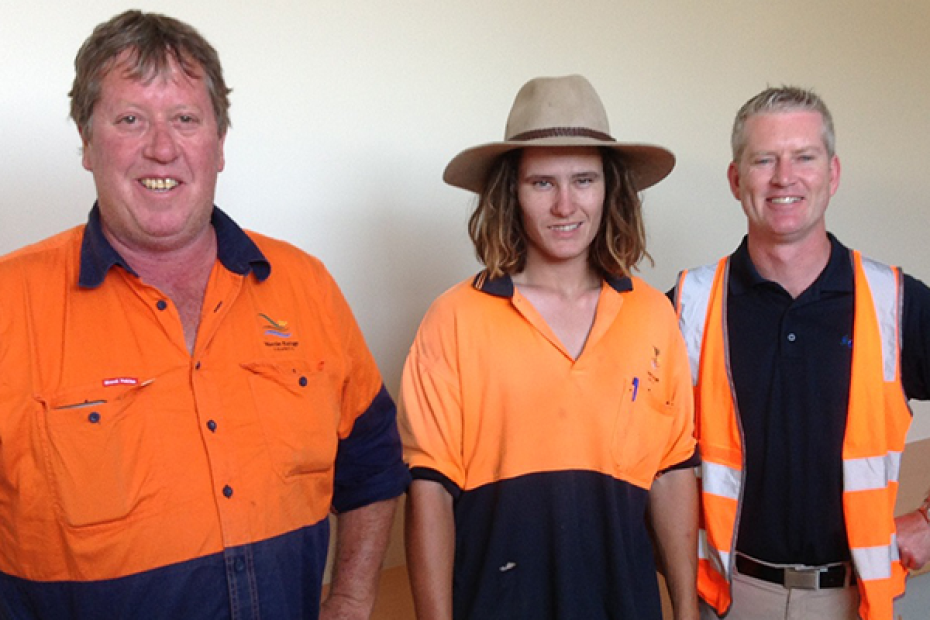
point(790, 362)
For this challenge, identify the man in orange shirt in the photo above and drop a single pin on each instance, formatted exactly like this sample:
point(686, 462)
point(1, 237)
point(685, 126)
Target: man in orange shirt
point(182, 403)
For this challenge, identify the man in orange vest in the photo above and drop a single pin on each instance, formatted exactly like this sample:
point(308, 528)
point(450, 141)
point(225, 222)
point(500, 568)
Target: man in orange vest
point(803, 356)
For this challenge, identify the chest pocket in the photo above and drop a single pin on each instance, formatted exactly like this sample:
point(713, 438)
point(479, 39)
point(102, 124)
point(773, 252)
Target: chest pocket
point(101, 453)
point(298, 407)
point(641, 431)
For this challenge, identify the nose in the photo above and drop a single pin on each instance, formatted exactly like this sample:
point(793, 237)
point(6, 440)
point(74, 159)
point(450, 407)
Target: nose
point(564, 203)
point(783, 174)
point(160, 144)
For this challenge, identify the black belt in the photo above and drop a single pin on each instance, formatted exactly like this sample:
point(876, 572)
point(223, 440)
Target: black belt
point(813, 578)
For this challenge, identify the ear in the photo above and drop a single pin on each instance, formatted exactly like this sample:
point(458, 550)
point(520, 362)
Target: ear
point(221, 156)
point(86, 155)
point(834, 174)
point(734, 179)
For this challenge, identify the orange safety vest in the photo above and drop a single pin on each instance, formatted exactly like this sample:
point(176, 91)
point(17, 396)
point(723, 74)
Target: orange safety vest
point(876, 429)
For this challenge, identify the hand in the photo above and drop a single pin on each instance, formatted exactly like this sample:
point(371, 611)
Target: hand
point(337, 607)
point(913, 540)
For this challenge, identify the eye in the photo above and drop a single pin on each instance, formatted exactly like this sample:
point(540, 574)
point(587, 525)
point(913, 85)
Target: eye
point(542, 183)
point(584, 181)
point(129, 119)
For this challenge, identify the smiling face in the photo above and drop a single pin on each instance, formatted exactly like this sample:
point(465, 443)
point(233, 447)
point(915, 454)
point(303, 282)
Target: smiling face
point(561, 194)
point(785, 177)
point(155, 153)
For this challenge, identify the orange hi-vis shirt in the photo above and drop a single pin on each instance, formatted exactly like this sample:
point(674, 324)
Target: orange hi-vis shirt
point(140, 480)
point(549, 459)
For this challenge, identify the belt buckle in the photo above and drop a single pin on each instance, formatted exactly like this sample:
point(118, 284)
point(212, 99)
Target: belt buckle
point(804, 578)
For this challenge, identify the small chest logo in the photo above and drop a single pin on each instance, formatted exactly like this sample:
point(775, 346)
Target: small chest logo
point(275, 328)
point(278, 334)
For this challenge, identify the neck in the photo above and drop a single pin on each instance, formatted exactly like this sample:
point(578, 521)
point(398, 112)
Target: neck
point(181, 274)
point(566, 279)
point(180, 265)
point(794, 265)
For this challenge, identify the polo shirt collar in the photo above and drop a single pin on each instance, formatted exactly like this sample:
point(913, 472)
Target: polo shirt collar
point(235, 250)
point(503, 286)
point(837, 276)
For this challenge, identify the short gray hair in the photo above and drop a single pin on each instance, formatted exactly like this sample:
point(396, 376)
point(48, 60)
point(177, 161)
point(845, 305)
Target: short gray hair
point(779, 100)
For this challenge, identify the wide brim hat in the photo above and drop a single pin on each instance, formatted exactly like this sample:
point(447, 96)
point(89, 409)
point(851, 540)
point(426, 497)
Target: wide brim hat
point(558, 111)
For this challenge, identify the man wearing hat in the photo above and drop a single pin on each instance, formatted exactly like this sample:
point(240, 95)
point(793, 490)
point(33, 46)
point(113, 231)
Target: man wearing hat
point(548, 400)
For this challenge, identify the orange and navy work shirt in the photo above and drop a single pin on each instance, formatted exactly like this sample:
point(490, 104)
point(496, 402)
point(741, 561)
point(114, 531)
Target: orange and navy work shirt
point(138, 480)
point(549, 459)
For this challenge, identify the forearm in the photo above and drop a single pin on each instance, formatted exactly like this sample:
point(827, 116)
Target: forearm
point(673, 508)
point(430, 545)
point(362, 537)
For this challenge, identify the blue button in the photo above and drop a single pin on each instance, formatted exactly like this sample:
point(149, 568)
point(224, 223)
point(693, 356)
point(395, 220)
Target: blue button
point(94, 417)
point(197, 366)
point(303, 382)
point(227, 491)
point(162, 304)
point(212, 426)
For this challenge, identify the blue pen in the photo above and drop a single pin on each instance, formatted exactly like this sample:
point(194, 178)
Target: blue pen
point(635, 387)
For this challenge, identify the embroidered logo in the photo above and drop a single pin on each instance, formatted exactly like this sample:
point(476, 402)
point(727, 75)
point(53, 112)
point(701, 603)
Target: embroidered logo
point(279, 335)
point(275, 328)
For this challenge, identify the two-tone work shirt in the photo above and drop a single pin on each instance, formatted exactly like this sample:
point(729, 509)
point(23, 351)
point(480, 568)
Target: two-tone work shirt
point(138, 480)
point(549, 458)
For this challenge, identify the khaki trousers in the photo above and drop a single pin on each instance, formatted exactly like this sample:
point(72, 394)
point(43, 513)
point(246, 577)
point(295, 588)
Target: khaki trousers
point(755, 599)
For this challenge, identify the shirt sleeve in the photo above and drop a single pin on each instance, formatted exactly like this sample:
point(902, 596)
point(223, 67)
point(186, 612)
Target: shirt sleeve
point(369, 465)
point(915, 350)
point(681, 451)
point(431, 405)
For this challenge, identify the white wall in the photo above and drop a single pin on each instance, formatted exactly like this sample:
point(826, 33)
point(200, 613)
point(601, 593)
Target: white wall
point(345, 113)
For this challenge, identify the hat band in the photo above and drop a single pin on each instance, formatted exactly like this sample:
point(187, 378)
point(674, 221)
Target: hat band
point(562, 132)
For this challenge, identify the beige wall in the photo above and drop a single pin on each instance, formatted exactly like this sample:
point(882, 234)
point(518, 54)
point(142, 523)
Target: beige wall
point(345, 113)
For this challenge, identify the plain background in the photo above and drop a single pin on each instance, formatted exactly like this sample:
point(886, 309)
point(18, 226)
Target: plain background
point(345, 114)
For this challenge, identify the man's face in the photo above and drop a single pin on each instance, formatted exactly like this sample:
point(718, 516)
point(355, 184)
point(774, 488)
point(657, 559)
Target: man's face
point(561, 194)
point(155, 154)
point(784, 178)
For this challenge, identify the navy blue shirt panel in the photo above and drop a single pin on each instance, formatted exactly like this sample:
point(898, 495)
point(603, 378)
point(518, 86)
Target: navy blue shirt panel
point(563, 545)
point(791, 362)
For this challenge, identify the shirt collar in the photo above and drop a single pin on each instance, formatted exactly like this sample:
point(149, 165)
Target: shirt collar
point(837, 276)
point(234, 248)
point(502, 286)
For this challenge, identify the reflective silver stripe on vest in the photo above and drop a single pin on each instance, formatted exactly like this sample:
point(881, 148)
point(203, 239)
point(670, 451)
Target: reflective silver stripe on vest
point(693, 297)
point(883, 286)
point(875, 562)
point(714, 556)
point(871, 473)
point(721, 480)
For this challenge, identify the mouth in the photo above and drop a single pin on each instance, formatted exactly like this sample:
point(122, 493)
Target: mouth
point(785, 200)
point(159, 184)
point(565, 227)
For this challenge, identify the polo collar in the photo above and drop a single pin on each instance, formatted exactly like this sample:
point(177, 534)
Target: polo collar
point(234, 248)
point(503, 286)
point(837, 276)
